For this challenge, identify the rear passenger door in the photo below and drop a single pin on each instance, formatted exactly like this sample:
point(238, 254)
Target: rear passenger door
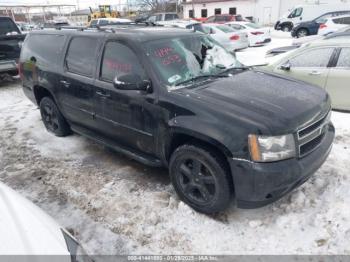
point(129, 116)
point(77, 80)
point(338, 81)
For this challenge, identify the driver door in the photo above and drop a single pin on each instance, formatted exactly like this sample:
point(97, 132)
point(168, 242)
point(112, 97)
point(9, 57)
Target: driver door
point(128, 116)
point(310, 66)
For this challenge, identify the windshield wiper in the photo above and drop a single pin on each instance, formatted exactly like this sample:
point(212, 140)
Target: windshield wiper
point(235, 68)
point(196, 78)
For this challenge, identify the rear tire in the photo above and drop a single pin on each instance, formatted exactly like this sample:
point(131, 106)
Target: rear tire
point(302, 32)
point(201, 178)
point(52, 118)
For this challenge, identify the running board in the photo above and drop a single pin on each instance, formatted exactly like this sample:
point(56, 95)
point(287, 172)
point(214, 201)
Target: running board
point(140, 157)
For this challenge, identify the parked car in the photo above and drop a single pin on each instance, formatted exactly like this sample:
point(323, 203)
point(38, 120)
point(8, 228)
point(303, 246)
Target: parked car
point(222, 19)
point(159, 17)
point(27, 231)
point(141, 18)
point(53, 24)
point(311, 27)
point(107, 21)
point(257, 35)
point(344, 32)
point(228, 37)
point(334, 24)
point(176, 98)
point(325, 63)
point(308, 12)
point(11, 40)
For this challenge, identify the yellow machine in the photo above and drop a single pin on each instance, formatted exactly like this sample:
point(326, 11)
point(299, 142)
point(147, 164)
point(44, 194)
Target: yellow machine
point(104, 11)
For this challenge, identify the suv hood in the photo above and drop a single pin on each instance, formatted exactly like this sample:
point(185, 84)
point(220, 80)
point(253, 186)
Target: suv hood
point(280, 104)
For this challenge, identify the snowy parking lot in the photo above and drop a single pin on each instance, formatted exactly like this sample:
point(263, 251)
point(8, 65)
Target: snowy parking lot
point(114, 205)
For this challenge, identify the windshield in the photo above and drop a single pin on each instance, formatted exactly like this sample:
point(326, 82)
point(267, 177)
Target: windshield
point(182, 59)
point(7, 27)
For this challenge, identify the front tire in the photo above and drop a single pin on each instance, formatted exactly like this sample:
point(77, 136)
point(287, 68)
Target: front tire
point(52, 118)
point(201, 178)
point(286, 28)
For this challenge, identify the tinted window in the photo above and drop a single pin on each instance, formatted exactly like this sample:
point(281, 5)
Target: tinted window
point(170, 17)
point(344, 58)
point(119, 60)
point(80, 57)
point(159, 17)
point(46, 49)
point(313, 58)
point(7, 26)
point(93, 22)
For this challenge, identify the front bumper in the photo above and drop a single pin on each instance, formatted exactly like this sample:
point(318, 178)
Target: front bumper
point(259, 184)
point(8, 66)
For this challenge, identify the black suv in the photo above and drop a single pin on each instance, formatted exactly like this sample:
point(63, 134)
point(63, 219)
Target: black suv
point(176, 98)
point(10, 46)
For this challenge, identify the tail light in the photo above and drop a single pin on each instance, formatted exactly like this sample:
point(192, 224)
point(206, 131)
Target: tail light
point(323, 26)
point(257, 33)
point(234, 37)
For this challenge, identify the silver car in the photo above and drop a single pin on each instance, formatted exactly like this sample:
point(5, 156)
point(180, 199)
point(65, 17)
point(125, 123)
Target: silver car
point(325, 63)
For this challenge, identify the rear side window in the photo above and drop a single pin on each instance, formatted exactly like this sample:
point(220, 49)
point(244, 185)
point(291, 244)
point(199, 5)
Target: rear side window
point(119, 60)
point(344, 58)
point(313, 58)
point(342, 20)
point(7, 26)
point(46, 49)
point(170, 17)
point(80, 58)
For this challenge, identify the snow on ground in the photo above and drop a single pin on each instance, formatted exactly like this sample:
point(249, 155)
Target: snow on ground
point(117, 206)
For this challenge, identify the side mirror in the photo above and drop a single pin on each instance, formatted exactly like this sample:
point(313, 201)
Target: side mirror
point(211, 31)
point(286, 66)
point(132, 82)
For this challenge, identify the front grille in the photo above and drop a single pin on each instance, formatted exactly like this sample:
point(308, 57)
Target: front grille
point(311, 136)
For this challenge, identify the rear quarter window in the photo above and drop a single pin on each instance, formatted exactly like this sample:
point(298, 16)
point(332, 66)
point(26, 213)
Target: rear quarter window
point(46, 49)
point(81, 55)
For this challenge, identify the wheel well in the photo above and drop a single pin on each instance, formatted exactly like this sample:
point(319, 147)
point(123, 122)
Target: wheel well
point(182, 139)
point(40, 93)
point(304, 28)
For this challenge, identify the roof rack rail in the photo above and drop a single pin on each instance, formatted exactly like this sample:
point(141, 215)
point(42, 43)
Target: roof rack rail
point(131, 24)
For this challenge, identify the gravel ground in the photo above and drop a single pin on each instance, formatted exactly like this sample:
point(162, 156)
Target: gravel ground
point(117, 206)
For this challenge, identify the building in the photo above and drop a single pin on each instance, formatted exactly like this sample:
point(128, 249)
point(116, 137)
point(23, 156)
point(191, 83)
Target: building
point(79, 17)
point(265, 12)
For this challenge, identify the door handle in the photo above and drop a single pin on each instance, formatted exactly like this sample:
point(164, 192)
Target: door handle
point(315, 73)
point(102, 94)
point(65, 83)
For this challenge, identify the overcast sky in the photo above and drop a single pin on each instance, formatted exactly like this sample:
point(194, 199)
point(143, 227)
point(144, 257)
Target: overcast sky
point(82, 3)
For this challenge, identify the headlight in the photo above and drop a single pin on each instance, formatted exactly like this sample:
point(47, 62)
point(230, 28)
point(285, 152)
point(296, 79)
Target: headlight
point(77, 253)
point(271, 148)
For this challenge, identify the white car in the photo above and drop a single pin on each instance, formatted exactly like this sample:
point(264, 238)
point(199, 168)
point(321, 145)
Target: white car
point(108, 21)
point(228, 37)
point(257, 35)
point(27, 230)
point(334, 24)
